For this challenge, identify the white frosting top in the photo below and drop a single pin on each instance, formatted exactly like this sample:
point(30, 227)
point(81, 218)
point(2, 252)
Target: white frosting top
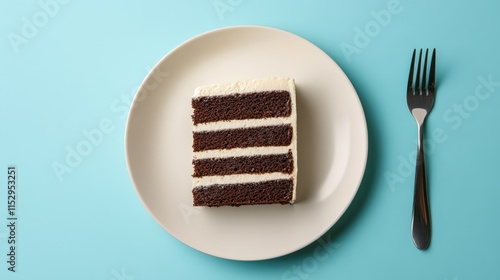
point(266, 84)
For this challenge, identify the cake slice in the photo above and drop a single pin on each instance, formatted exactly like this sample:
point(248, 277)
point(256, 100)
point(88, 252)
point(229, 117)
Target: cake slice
point(245, 143)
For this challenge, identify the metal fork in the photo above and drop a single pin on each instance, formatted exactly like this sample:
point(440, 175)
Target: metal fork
point(420, 97)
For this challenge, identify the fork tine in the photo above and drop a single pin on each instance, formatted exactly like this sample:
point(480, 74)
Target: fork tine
point(432, 73)
point(424, 74)
point(417, 78)
point(410, 78)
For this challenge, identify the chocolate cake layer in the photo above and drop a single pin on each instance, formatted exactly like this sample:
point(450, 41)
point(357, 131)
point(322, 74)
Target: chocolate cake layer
point(244, 165)
point(266, 192)
point(279, 135)
point(258, 105)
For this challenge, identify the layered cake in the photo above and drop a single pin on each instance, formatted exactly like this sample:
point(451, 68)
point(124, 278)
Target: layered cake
point(245, 143)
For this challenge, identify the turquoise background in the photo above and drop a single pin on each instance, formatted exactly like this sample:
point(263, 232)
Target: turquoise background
point(82, 62)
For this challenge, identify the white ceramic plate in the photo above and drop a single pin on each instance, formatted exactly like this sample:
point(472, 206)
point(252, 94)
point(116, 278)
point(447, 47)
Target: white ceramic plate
point(332, 142)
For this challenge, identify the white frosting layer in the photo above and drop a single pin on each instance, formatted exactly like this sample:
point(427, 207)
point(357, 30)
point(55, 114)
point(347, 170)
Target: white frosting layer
point(241, 152)
point(221, 125)
point(238, 179)
point(266, 84)
point(242, 87)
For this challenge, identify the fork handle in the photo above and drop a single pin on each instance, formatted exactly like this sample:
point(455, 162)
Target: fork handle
point(421, 223)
